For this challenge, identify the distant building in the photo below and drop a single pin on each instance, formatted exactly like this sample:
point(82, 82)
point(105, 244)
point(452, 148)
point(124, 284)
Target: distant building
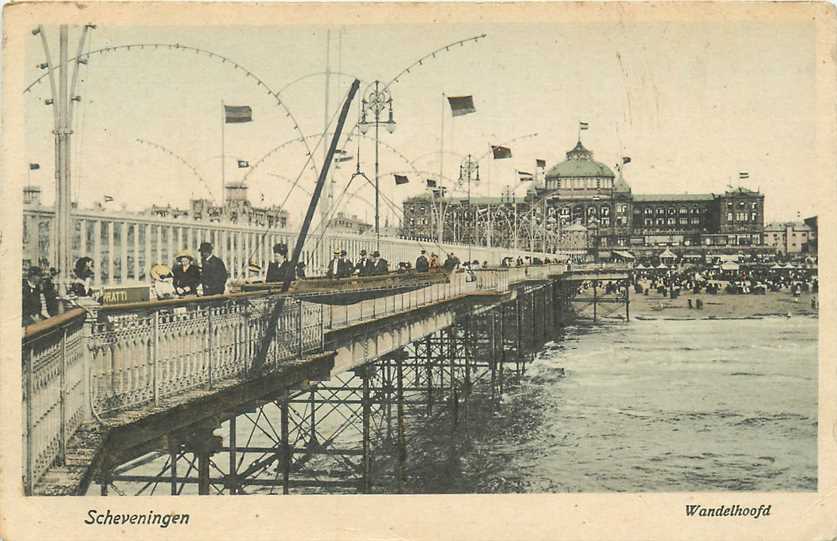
point(580, 191)
point(348, 224)
point(790, 238)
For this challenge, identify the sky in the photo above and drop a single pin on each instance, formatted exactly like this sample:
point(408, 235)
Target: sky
point(692, 104)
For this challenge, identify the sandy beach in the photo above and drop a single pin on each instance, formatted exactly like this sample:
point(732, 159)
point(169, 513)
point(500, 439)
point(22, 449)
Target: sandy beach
point(722, 305)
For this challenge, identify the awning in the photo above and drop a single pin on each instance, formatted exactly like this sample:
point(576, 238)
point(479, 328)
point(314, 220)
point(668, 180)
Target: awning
point(640, 266)
point(624, 255)
point(667, 254)
point(729, 265)
point(662, 266)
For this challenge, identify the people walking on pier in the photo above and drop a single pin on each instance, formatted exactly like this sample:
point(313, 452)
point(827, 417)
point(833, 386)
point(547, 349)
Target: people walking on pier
point(380, 265)
point(31, 296)
point(82, 285)
point(278, 269)
point(422, 265)
point(213, 271)
point(434, 262)
point(49, 292)
point(187, 276)
point(345, 267)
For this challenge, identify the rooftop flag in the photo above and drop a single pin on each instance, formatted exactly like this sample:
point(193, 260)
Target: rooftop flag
point(583, 126)
point(540, 163)
point(243, 163)
point(525, 176)
point(234, 114)
point(431, 183)
point(626, 159)
point(34, 166)
point(461, 105)
point(501, 153)
point(401, 179)
point(743, 175)
point(108, 199)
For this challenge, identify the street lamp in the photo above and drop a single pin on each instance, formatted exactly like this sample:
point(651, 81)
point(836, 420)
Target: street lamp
point(376, 101)
point(469, 170)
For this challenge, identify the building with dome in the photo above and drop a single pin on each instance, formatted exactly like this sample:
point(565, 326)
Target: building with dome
point(582, 194)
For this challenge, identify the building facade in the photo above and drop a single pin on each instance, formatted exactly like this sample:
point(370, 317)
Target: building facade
point(790, 238)
point(580, 191)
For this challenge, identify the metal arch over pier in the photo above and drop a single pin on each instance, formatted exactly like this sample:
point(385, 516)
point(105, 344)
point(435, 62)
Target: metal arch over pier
point(164, 394)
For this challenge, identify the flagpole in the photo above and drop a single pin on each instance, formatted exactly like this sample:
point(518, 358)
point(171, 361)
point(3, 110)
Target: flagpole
point(223, 155)
point(441, 165)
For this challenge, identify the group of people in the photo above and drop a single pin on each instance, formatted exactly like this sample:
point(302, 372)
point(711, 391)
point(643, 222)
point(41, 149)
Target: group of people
point(341, 266)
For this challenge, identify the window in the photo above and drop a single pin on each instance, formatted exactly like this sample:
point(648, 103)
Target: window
point(605, 211)
point(754, 217)
point(649, 221)
point(672, 221)
point(684, 210)
point(695, 221)
point(729, 216)
point(605, 220)
point(755, 206)
point(661, 211)
point(671, 210)
point(684, 221)
point(661, 221)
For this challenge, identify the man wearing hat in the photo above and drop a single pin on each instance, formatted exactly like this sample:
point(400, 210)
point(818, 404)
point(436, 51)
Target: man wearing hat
point(277, 270)
point(422, 265)
point(345, 266)
point(187, 275)
point(334, 266)
point(360, 266)
point(213, 271)
point(31, 296)
point(379, 264)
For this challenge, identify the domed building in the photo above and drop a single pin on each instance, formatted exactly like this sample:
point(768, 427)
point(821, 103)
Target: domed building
point(580, 190)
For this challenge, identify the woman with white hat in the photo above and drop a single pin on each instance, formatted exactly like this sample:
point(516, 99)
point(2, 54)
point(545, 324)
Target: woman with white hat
point(187, 275)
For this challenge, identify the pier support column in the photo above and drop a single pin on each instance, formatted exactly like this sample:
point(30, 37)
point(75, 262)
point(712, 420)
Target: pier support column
point(366, 483)
point(284, 444)
point(233, 482)
point(402, 442)
point(429, 367)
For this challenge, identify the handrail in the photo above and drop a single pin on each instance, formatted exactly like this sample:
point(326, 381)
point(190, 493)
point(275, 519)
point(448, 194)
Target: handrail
point(40, 327)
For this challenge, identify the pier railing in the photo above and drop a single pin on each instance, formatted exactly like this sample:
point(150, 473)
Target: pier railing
point(54, 384)
point(83, 364)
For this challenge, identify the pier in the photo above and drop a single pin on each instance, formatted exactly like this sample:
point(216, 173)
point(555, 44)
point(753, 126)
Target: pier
point(114, 392)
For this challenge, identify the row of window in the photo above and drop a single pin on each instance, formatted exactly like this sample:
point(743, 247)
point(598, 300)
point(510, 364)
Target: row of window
point(742, 217)
point(671, 210)
point(672, 221)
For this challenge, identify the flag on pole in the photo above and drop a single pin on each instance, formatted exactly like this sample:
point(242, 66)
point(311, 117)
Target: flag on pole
point(525, 176)
point(341, 155)
point(431, 183)
point(501, 153)
point(626, 159)
point(34, 166)
point(401, 179)
point(234, 114)
point(108, 199)
point(743, 175)
point(461, 105)
point(243, 164)
point(540, 163)
point(583, 126)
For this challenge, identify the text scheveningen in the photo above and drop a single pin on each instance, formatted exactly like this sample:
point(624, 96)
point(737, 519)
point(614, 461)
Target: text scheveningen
point(728, 511)
point(163, 520)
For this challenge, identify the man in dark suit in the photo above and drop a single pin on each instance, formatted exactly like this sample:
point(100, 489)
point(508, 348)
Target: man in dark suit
point(278, 269)
point(31, 296)
point(379, 264)
point(344, 265)
point(213, 271)
point(360, 266)
point(422, 265)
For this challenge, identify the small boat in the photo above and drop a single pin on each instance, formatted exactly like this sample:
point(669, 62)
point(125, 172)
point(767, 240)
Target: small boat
point(353, 289)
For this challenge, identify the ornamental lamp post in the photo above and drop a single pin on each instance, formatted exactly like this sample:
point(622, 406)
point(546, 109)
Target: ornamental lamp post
point(376, 101)
point(469, 170)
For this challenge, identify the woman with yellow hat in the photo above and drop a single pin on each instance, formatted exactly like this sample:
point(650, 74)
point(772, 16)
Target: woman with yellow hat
point(161, 285)
point(187, 275)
